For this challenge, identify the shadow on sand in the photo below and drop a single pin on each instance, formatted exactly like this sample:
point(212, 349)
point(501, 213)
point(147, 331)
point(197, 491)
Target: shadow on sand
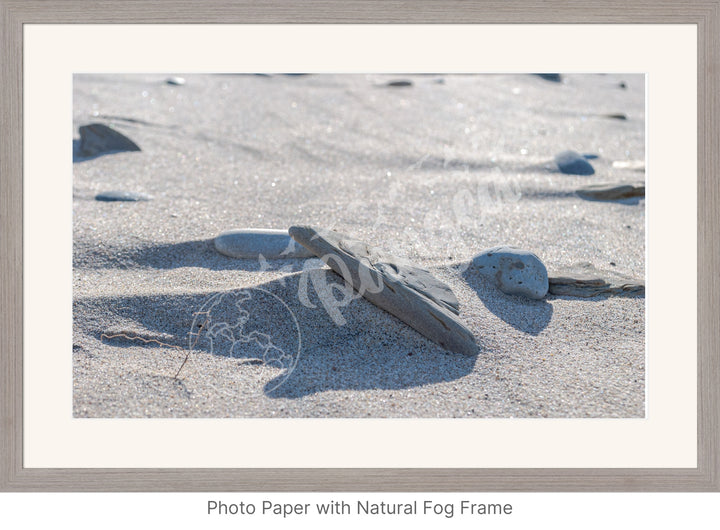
point(528, 316)
point(198, 253)
point(371, 350)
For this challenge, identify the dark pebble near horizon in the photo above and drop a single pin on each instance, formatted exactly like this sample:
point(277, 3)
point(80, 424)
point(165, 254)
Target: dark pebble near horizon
point(572, 163)
point(555, 78)
point(399, 83)
point(126, 196)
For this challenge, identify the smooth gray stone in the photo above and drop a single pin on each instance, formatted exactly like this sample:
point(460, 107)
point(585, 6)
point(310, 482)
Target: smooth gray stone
point(612, 192)
point(394, 284)
point(96, 139)
point(126, 196)
point(515, 271)
point(583, 280)
point(573, 163)
point(176, 81)
point(250, 243)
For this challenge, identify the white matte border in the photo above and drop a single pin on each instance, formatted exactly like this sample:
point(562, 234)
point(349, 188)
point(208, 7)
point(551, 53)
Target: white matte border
point(665, 438)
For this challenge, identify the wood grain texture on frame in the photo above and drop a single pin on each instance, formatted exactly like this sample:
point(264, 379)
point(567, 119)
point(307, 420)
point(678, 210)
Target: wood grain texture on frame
point(14, 477)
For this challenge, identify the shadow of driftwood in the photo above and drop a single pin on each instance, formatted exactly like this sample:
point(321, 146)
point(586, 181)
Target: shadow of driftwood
point(367, 349)
point(524, 314)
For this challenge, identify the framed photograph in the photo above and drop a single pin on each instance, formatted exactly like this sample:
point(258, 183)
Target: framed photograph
point(467, 247)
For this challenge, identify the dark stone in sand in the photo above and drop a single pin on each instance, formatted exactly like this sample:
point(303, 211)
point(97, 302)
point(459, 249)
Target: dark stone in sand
point(612, 192)
point(616, 116)
point(97, 139)
point(622, 85)
point(126, 196)
point(555, 78)
point(399, 83)
point(590, 156)
point(410, 293)
point(583, 280)
point(573, 163)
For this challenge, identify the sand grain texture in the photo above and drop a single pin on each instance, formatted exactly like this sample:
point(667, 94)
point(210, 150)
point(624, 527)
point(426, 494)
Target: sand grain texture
point(433, 172)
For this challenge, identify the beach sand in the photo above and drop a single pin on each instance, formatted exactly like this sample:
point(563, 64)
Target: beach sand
point(435, 172)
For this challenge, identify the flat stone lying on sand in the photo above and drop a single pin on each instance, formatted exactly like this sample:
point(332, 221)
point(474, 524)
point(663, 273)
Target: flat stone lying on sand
point(96, 139)
point(176, 81)
point(126, 196)
point(394, 284)
point(583, 280)
point(515, 271)
point(612, 192)
point(250, 243)
point(399, 83)
point(573, 163)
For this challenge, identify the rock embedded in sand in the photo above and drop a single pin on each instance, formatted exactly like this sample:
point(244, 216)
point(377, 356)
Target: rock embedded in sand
point(97, 139)
point(394, 284)
point(250, 243)
point(125, 196)
point(589, 287)
point(175, 81)
point(612, 192)
point(573, 163)
point(515, 271)
point(583, 280)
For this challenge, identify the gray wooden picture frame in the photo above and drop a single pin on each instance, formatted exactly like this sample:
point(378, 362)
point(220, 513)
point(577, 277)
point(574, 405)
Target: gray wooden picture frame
point(15, 13)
